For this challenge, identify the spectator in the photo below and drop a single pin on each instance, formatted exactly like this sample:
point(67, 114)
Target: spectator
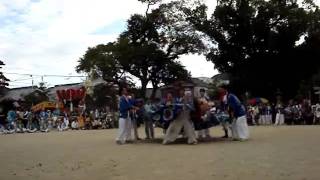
point(147, 114)
point(279, 115)
point(74, 125)
point(317, 114)
point(11, 119)
point(43, 121)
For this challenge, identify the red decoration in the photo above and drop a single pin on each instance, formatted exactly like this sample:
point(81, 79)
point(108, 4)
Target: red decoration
point(78, 96)
point(74, 94)
point(68, 94)
point(82, 93)
point(64, 96)
point(59, 95)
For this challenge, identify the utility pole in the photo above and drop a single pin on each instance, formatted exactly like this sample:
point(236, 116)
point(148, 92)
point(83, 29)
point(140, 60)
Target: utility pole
point(31, 88)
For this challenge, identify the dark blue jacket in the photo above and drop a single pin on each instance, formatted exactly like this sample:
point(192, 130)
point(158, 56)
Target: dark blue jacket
point(236, 106)
point(124, 108)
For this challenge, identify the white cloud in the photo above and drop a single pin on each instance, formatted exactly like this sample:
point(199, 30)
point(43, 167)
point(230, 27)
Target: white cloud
point(198, 65)
point(49, 36)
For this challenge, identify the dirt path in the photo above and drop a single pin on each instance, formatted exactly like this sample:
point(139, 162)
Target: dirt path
point(284, 153)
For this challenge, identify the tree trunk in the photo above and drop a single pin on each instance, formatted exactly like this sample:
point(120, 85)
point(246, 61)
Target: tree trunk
point(144, 84)
point(154, 92)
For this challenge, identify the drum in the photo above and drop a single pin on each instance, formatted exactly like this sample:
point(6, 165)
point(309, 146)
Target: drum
point(156, 117)
point(204, 106)
point(223, 118)
point(168, 114)
point(202, 117)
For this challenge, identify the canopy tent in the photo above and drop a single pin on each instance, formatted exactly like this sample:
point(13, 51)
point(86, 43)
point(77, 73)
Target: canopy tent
point(46, 105)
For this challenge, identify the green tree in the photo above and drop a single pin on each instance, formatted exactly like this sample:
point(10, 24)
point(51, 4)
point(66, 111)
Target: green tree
point(35, 97)
point(3, 79)
point(102, 61)
point(259, 42)
point(102, 96)
point(147, 50)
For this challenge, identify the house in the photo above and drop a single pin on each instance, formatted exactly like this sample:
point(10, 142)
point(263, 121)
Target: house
point(222, 78)
point(18, 94)
point(195, 84)
point(15, 97)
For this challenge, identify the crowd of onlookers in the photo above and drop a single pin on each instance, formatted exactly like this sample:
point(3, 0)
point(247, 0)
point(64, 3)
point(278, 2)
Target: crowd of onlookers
point(46, 120)
point(291, 114)
point(18, 121)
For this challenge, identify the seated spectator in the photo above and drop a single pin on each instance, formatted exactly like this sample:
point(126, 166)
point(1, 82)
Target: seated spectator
point(74, 125)
point(11, 121)
point(81, 122)
point(87, 123)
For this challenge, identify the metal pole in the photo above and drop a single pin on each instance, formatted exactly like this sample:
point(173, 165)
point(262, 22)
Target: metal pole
point(31, 89)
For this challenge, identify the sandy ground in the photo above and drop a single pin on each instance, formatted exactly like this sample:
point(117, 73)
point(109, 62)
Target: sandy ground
point(288, 153)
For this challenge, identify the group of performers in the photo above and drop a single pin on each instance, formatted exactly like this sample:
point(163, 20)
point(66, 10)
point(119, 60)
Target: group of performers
point(182, 114)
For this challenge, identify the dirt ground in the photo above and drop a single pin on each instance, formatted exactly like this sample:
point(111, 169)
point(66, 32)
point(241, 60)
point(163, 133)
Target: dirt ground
point(284, 153)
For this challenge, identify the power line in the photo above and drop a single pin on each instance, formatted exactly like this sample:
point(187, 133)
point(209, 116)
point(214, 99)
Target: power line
point(17, 80)
point(44, 75)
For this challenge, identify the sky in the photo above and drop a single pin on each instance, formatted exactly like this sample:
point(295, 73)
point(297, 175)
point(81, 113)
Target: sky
point(47, 37)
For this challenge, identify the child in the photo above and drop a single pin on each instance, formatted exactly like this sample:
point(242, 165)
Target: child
point(147, 114)
point(20, 127)
point(81, 121)
point(11, 118)
point(65, 123)
point(50, 120)
point(60, 124)
point(134, 116)
point(30, 122)
point(87, 122)
point(44, 121)
point(74, 125)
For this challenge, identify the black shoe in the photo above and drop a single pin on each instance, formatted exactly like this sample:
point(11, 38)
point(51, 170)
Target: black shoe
point(129, 141)
point(225, 136)
point(119, 142)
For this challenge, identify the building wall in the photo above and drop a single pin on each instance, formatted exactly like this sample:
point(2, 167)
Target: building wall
point(196, 90)
point(160, 94)
point(149, 92)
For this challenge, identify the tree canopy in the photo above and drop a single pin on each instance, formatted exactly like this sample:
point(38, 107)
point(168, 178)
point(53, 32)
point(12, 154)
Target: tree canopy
point(265, 45)
point(3, 79)
point(147, 49)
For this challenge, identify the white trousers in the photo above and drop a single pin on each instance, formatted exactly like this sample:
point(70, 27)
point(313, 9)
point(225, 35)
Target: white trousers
point(124, 131)
point(269, 119)
point(279, 119)
point(182, 121)
point(240, 128)
point(262, 120)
